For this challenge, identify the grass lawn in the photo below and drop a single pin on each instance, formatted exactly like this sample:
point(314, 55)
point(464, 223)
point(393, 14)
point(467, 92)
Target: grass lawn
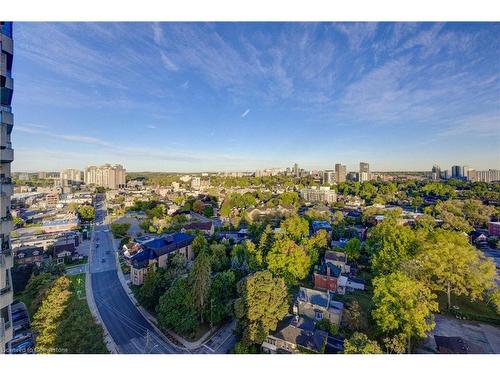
point(77, 263)
point(473, 310)
point(78, 284)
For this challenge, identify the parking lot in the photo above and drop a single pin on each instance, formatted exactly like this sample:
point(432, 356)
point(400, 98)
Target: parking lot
point(481, 338)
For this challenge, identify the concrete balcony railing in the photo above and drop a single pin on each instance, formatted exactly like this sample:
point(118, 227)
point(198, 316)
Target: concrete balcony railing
point(6, 155)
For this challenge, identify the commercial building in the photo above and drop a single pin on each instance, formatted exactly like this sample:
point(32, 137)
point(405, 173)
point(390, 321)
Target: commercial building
point(364, 172)
point(436, 172)
point(322, 194)
point(456, 171)
point(329, 177)
point(340, 173)
point(108, 176)
point(6, 158)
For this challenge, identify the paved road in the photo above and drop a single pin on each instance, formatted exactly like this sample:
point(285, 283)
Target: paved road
point(131, 332)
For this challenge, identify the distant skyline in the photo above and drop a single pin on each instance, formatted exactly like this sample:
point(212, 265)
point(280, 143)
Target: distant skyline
point(186, 97)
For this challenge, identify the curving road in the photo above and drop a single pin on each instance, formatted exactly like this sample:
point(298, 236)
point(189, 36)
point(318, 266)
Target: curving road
point(131, 332)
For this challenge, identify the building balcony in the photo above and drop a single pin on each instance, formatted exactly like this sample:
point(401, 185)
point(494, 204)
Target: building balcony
point(7, 44)
point(6, 189)
point(5, 332)
point(6, 118)
point(6, 296)
point(6, 261)
point(6, 154)
point(6, 225)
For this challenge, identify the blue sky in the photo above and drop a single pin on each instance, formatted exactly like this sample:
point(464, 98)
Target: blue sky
point(242, 96)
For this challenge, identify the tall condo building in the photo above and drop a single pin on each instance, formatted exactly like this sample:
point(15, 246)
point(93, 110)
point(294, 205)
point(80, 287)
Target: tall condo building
point(364, 172)
point(456, 171)
point(7, 155)
point(340, 173)
point(328, 177)
point(108, 176)
point(70, 177)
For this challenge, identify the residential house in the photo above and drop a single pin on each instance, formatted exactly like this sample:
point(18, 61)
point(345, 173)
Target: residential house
point(326, 277)
point(29, 256)
point(294, 335)
point(155, 253)
point(318, 225)
point(338, 259)
point(318, 305)
point(206, 227)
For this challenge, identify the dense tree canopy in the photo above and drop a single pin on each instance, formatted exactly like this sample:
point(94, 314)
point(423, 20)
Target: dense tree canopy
point(403, 306)
point(262, 303)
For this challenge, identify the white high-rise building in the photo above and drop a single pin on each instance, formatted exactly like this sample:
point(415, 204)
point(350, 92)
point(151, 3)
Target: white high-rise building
point(364, 172)
point(108, 176)
point(6, 158)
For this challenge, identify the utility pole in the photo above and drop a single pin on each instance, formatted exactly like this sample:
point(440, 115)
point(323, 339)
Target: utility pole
point(211, 314)
point(147, 342)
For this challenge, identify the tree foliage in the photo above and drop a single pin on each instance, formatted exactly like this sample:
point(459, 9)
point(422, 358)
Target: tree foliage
point(447, 262)
point(262, 303)
point(359, 343)
point(403, 306)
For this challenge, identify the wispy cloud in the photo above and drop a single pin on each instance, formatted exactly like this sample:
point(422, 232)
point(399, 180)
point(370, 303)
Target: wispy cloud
point(167, 62)
point(151, 126)
point(244, 114)
point(66, 137)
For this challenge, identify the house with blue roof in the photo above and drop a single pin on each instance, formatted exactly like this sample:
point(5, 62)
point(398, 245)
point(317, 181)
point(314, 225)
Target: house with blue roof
point(318, 225)
point(318, 305)
point(155, 252)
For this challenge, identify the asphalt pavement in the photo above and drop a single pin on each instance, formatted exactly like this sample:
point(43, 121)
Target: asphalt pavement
point(131, 332)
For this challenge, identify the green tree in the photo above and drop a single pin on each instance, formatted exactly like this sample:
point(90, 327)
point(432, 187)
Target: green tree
point(199, 279)
point(48, 317)
point(359, 343)
point(450, 264)
point(176, 309)
point(288, 260)
point(389, 244)
point(87, 212)
point(263, 302)
point(219, 259)
point(199, 245)
point(18, 222)
point(295, 228)
point(222, 293)
point(352, 318)
point(353, 249)
point(403, 306)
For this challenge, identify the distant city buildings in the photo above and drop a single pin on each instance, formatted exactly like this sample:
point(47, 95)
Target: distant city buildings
point(321, 194)
point(197, 183)
point(456, 171)
point(465, 173)
point(340, 173)
point(70, 177)
point(328, 177)
point(108, 176)
point(364, 172)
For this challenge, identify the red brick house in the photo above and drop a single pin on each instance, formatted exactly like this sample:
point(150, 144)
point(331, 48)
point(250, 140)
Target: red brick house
point(326, 277)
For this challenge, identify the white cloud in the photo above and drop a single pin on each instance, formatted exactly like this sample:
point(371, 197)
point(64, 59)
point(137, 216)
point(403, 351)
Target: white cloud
point(244, 114)
point(167, 63)
point(151, 127)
